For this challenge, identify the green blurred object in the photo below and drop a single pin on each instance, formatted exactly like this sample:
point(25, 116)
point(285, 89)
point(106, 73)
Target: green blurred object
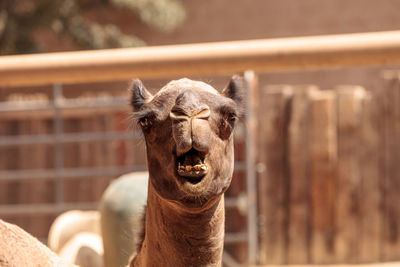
point(21, 20)
point(121, 209)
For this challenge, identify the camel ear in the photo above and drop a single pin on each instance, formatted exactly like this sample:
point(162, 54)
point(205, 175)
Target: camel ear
point(236, 90)
point(139, 94)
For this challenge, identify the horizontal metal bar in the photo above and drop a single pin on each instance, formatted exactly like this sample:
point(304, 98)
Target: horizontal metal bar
point(16, 209)
point(93, 102)
point(25, 209)
point(11, 106)
point(235, 237)
point(67, 173)
point(82, 103)
point(229, 261)
point(391, 74)
point(239, 202)
point(240, 166)
point(66, 138)
point(231, 202)
point(75, 172)
point(296, 53)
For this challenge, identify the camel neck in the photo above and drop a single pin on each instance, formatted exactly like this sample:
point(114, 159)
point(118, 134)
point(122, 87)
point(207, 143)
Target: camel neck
point(176, 237)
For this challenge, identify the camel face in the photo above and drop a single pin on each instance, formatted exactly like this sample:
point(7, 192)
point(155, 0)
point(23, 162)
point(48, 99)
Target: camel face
point(188, 130)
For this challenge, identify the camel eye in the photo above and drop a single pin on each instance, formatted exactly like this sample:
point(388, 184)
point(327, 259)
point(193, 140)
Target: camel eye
point(146, 122)
point(231, 118)
point(227, 124)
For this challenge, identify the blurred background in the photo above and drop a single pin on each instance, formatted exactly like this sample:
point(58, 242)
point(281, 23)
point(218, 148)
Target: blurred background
point(326, 145)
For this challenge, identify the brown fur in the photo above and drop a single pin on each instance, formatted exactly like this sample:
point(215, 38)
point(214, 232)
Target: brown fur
point(184, 122)
point(142, 232)
point(18, 248)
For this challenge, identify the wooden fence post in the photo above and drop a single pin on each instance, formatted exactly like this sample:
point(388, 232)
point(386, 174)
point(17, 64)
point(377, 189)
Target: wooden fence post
point(391, 168)
point(273, 114)
point(371, 208)
point(299, 194)
point(323, 158)
point(349, 180)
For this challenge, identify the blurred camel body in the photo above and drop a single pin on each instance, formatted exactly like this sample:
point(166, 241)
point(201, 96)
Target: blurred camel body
point(70, 223)
point(18, 248)
point(77, 236)
point(84, 249)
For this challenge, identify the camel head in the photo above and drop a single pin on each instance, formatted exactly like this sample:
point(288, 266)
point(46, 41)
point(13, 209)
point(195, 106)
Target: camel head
point(188, 128)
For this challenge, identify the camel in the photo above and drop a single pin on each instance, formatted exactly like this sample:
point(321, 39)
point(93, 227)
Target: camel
point(84, 249)
point(75, 236)
point(18, 248)
point(95, 238)
point(121, 208)
point(70, 223)
point(187, 127)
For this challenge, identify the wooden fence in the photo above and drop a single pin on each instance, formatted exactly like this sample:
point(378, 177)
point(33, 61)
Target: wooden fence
point(329, 174)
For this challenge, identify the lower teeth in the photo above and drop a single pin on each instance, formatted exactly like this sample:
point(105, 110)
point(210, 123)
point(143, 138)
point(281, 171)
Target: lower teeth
point(196, 168)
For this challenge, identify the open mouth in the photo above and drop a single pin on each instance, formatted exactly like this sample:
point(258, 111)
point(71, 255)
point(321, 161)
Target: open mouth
point(192, 166)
